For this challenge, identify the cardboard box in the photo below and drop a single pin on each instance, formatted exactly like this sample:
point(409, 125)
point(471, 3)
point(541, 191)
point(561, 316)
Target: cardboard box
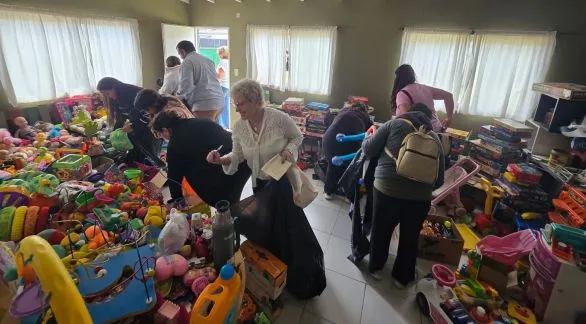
point(267, 274)
point(494, 273)
point(441, 250)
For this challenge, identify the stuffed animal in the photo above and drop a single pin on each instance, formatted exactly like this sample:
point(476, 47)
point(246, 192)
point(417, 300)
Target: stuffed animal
point(6, 140)
point(44, 126)
point(24, 131)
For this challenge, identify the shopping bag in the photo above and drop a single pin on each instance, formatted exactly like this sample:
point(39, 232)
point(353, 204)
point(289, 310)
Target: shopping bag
point(304, 192)
point(271, 219)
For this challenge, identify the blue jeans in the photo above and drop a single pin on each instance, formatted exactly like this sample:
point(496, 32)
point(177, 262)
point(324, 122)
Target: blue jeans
point(224, 118)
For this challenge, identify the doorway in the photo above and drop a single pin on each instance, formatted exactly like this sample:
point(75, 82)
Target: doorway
point(211, 42)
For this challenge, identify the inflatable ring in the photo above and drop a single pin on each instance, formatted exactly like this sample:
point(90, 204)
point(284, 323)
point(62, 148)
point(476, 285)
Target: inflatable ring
point(43, 219)
point(17, 182)
point(18, 223)
point(6, 215)
point(30, 222)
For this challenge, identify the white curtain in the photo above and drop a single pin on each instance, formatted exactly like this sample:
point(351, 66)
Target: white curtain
point(489, 73)
point(44, 56)
point(312, 59)
point(266, 54)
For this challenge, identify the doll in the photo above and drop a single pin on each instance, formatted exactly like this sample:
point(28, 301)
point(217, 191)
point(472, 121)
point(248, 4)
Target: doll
point(24, 131)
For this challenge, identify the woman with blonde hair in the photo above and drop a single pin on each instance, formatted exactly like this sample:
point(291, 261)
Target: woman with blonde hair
point(259, 135)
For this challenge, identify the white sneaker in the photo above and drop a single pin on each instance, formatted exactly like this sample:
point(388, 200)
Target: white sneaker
point(377, 275)
point(327, 196)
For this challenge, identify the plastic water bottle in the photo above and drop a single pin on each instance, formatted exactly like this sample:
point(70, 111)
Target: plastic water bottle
point(223, 235)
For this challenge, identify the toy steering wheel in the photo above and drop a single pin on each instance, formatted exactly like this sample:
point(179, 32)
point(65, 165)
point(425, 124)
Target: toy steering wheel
point(443, 275)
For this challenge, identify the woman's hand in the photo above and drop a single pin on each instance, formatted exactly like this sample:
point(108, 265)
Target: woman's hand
point(446, 122)
point(127, 128)
point(214, 157)
point(371, 130)
point(286, 155)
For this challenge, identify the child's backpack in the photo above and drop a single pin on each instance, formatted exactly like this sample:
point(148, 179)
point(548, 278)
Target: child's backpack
point(419, 156)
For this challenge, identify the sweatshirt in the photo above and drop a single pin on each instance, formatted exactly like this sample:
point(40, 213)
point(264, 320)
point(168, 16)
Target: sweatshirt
point(391, 135)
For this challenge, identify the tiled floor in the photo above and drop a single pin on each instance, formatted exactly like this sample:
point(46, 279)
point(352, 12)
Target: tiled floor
point(351, 297)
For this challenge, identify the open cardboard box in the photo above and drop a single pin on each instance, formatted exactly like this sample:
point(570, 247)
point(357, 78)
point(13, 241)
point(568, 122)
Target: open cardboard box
point(441, 250)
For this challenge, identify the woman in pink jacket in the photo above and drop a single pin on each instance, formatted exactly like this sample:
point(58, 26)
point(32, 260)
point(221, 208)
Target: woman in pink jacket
point(407, 92)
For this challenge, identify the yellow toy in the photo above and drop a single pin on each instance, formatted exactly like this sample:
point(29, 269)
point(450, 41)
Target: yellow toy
point(220, 301)
point(155, 216)
point(40, 140)
point(65, 301)
point(520, 313)
point(44, 156)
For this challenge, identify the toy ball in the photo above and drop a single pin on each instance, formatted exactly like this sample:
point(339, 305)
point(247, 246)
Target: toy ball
point(164, 268)
point(74, 238)
point(199, 285)
point(141, 212)
point(189, 277)
point(172, 265)
point(186, 251)
point(154, 221)
point(136, 224)
point(448, 224)
point(53, 236)
point(59, 250)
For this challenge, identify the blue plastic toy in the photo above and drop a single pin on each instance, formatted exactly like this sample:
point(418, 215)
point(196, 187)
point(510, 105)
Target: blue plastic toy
point(341, 138)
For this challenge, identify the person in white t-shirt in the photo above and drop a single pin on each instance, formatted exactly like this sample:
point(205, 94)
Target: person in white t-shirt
point(223, 71)
point(171, 78)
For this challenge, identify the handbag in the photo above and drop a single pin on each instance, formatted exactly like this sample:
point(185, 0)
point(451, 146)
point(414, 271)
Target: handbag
point(304, 192)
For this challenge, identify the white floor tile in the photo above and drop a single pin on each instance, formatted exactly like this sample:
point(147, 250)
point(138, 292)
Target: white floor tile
point(341, 302)
point(323, 239)
point(343, 226)
point(321, 217)
point(383, 304)
point(291, 314)
point(309, 318)
point(336, 258)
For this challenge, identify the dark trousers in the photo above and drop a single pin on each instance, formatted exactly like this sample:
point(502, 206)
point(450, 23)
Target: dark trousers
point(388, 212)
point(333, 175)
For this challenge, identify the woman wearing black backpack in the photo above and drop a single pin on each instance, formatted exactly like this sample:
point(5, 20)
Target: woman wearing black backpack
point(398, 199)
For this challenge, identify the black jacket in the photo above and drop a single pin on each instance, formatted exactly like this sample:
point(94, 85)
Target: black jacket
point(191, 141)
point(349, 121)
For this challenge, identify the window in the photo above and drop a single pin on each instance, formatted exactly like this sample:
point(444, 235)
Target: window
point(292, 58)
point(44, 56)
point(489, 73)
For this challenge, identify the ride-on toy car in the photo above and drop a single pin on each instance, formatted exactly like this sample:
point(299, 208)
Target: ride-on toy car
point(436, 299)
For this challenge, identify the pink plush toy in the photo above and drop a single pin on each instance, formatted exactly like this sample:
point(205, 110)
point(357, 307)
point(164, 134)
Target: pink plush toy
point(171, 265)
point(7, 140)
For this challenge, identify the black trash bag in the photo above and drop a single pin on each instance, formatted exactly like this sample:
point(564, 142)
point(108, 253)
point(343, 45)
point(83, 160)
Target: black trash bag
point(271, 219)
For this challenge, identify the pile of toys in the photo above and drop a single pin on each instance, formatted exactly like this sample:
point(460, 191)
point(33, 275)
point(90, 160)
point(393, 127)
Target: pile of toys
point(437, 229)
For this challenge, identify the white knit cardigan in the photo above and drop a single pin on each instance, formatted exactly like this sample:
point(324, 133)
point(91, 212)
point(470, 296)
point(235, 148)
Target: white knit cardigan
point(278, 132)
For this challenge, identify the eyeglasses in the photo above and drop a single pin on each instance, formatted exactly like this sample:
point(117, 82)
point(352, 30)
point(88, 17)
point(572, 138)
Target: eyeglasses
point(240, 104)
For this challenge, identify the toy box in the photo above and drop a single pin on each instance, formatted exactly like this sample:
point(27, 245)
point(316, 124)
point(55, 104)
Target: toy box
point(524, 173)
point(72, 167)
point(267, 275)
point(440, 249)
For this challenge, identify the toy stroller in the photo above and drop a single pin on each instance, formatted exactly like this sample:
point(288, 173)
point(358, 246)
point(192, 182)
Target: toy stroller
point(357, 183)
point(454, 178)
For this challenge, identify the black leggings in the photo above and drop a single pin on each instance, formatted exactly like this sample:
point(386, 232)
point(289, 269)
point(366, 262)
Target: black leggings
point(333, 175)
point(388, 212)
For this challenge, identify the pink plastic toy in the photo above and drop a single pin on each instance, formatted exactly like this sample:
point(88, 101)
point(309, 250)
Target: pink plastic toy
point(507, 249)
point(449, 192)
point(443, 275)
point(199, 285)
point(172, 265)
